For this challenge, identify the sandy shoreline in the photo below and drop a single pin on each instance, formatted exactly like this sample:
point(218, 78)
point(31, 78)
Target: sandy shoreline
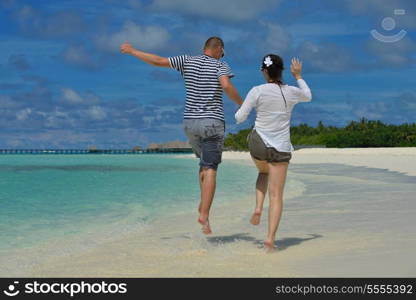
point(340, 242)
point(401, 160)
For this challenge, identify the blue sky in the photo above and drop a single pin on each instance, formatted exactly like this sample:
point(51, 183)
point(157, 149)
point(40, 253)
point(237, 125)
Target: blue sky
point(64, 84)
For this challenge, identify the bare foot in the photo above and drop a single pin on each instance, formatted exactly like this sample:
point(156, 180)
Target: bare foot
point(269, 246)
point(206, 229)
point(255, 218)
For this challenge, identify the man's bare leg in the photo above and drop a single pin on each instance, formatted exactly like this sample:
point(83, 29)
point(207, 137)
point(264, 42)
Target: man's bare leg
point(208, 184)
point(261, 190)
point(200, 188)
point(277, 179)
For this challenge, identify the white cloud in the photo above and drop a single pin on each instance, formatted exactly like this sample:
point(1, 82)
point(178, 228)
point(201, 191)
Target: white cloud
point(158, 113)
point(398, 54)
point(379, 9)
point(148, 120)
point(277, 39)
point(230, 10)
point(372, 111)
point(77, 55)
point(23, 114)
point(59, 138)
point(408, 102)
point(56, 25)
point(71, 96)
point(7, 102)
point(143, 37)
point(326, 57)
point(96, 113)
point(57, 119)
point(70, 138)
point(14, 143)
point(306, 31)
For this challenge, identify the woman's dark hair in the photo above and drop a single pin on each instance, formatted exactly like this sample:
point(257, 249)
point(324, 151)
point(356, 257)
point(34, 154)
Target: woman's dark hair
point(275, 69)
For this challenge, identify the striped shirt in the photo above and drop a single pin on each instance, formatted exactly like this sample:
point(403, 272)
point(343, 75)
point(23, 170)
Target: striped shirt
point(203, 89)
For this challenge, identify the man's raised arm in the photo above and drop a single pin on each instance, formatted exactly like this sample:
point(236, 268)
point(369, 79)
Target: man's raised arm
point(149, 58)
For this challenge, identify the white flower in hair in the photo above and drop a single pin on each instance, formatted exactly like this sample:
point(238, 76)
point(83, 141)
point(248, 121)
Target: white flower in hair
point(268, 61)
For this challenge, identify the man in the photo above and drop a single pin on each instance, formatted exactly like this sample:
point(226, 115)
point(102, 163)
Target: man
point(205, 78)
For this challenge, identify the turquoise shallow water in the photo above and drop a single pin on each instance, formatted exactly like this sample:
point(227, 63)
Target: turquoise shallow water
point(49, 196)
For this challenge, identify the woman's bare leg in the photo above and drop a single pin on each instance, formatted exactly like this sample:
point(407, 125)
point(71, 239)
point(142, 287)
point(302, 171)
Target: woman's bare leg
point(261, 190)
point(277, 179)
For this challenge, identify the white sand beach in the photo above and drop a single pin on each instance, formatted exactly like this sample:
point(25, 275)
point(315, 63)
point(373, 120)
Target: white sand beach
point(324, 232)
point(394, 159)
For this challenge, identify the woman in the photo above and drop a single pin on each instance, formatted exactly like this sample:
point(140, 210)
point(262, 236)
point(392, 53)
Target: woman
point(269, 141)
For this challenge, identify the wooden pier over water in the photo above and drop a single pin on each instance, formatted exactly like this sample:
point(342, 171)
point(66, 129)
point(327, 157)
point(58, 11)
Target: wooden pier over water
point(96, 151)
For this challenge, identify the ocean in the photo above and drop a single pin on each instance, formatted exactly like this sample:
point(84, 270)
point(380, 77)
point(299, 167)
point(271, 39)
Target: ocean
point(48, 197)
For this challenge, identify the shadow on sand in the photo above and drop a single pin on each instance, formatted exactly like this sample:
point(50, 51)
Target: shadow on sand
point(281, 244)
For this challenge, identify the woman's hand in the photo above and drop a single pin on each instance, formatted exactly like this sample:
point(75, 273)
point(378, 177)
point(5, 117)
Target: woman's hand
point(296, 68)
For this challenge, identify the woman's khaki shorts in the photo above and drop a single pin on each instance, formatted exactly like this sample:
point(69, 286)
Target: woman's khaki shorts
point(260, 151)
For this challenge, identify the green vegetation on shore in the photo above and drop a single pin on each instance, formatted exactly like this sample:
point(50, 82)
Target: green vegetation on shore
point(363, 134)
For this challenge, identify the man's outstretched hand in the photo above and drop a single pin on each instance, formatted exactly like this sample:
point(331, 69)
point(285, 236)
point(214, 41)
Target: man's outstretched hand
point(149, 58)
point(126, 48)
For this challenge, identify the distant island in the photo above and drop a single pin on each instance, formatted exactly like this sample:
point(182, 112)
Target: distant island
point(362, 134)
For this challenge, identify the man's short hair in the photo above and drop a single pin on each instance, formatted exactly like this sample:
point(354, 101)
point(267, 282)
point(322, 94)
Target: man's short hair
point(214, 42)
